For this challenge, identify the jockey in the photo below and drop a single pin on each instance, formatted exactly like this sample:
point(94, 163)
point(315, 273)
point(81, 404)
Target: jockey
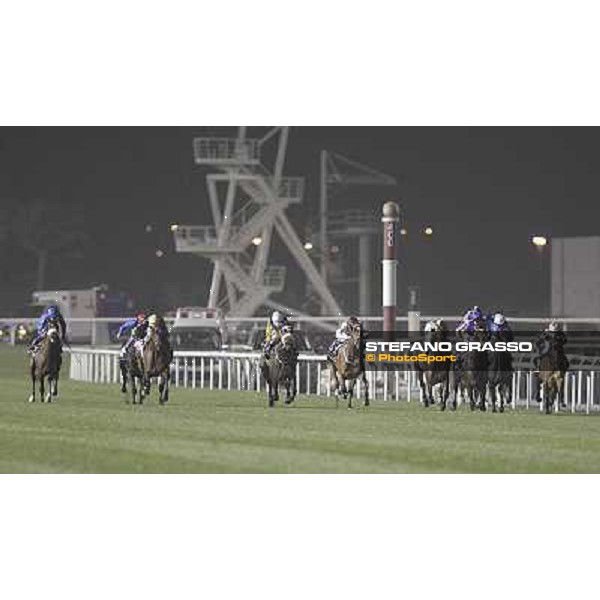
point(498, 326)
point(552, 334)
point(470, 320)
point(50, 314)
point(136, 327)
point(277, 321)
point(342, 333)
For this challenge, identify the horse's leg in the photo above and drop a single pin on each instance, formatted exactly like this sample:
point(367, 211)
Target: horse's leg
point(42, 388)
point(545, 391)
point(480, 388)
point(133, 388)
point(366, 386)
point(165, 383)
point(560, 384)
point(494, 392)
point(351, 392)
point(123, 367)
point(55, 388)
point(271, 394)
point(471, 394)
point(502, 392)
point(32, 397)
point(161, 389)
point(50, 386)
point(427, 392)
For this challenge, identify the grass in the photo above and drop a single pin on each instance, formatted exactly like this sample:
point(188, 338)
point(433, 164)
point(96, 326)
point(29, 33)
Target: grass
point(90, 429)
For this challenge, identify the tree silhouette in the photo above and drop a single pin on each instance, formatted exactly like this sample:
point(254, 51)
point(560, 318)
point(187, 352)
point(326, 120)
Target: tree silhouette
point(48, 229)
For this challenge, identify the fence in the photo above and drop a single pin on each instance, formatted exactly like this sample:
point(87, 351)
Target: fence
point(240, 371)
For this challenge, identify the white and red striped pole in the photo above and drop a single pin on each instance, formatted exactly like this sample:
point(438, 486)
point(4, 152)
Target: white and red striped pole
point(390, 220)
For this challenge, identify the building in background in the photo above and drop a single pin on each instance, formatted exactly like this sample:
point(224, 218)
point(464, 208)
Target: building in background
point(575, 277)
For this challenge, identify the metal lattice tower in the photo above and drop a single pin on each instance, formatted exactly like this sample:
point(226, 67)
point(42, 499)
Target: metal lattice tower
point(338, 170)
point(248, 200)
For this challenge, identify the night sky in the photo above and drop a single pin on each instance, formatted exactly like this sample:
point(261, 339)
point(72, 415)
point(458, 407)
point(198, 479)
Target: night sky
point(485, 192)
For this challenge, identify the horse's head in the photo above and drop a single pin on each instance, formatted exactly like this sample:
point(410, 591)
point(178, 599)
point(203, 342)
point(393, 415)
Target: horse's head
point(436, 330)
point(432, 327)
point(287, 338)
point(52, 333)
point(356, 332)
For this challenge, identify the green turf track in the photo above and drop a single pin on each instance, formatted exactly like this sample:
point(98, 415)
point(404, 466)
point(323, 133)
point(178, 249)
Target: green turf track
point(90, 429)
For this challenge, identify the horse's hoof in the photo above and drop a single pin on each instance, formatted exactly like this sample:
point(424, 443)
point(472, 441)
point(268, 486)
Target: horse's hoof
point(501, 409)
point(31, 399)
point(442, 407)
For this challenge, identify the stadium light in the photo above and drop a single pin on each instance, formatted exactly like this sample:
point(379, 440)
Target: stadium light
point(257, 241)
point(174, 227)
point(403, 231)
point(539, 241)
point(159, 253)
point(428, 231)
point(308, 246)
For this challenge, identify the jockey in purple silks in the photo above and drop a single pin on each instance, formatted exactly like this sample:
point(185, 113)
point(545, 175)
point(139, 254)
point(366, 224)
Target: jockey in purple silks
point(472, 318)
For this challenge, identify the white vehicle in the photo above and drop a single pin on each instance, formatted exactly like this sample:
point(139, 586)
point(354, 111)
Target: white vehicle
point(199, 328)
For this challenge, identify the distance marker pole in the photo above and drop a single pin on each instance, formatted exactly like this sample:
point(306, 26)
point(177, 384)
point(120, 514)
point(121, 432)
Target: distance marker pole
point(390, 220)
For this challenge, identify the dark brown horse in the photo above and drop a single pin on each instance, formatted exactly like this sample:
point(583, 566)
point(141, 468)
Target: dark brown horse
point(471, 371)
point(437, 372)
point(280, 368)
point(46, 363)
point(347, 367)
point(157, 356)
point(553, 366)
point(132, 371)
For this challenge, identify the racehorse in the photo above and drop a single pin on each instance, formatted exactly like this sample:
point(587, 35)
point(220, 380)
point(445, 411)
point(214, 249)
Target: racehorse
point(280, 368)
point(500, 380)
point(347, 367)
point(132, 370)
point(436, 372)
point(156, 359)
point(471, 372)
point(553, 366)
point(46, 362)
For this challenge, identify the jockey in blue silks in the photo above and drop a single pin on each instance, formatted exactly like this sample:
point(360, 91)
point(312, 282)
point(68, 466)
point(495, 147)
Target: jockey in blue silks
point(136, 328)
point(472, 318)
point(50, 315)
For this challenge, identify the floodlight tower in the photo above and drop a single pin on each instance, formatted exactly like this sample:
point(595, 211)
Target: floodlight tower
point(248, 200)
point(338, 170)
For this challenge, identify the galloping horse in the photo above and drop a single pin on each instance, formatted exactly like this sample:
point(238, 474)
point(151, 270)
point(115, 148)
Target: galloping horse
point(500, 378)
point(438, 372)
point(280, 368)
point(553, 366)
point(132, 370)
point(348, 367)
point(46, 362)
point(472, 372)
point(156, 359)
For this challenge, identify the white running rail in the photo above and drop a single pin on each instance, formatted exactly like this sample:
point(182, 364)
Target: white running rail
point(240, 371)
